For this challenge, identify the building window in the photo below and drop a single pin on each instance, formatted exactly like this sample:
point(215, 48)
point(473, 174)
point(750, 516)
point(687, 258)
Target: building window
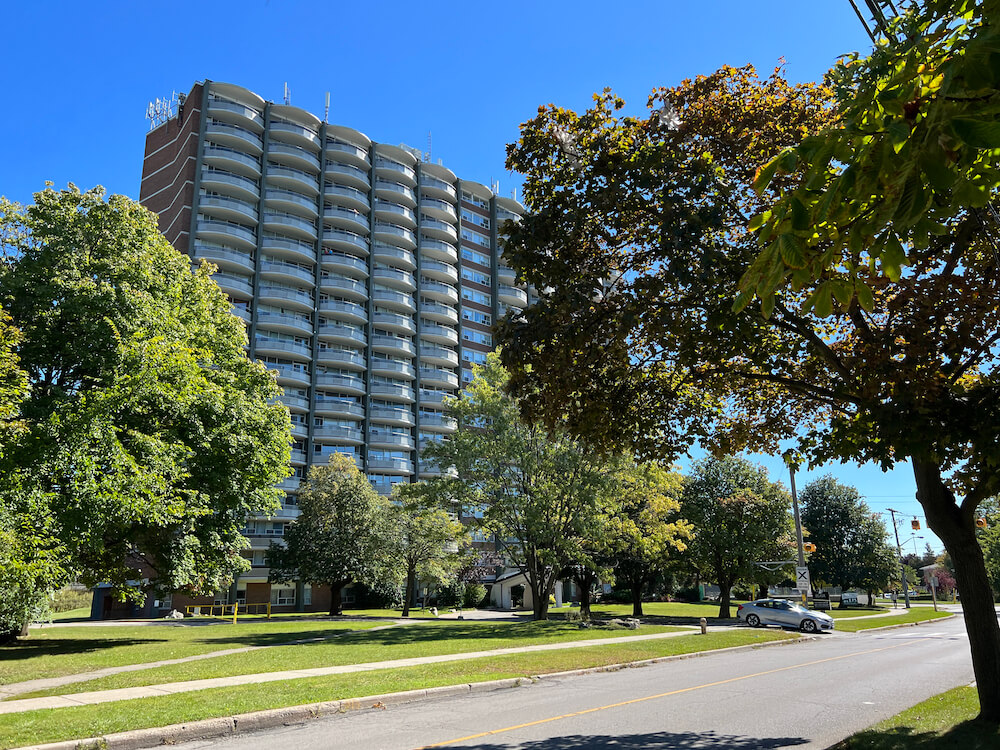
point(479, 337)
point(282, 596)
point(470, 274)
point(475, 256)
point(475, 237)
point(472, 295)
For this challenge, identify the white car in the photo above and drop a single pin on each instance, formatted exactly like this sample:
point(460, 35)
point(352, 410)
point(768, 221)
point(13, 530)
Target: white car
point(784, 613)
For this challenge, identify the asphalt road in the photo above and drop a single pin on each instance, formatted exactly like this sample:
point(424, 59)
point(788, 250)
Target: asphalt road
point(805, 695)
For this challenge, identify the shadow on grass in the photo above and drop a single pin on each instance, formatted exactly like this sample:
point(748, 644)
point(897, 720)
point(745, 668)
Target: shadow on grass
point(969, 735)
point(654, 741)
point(29, 648)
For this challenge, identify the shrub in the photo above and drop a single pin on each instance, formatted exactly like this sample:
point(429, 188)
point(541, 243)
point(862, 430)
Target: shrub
point(69, 598)
point(474, 596)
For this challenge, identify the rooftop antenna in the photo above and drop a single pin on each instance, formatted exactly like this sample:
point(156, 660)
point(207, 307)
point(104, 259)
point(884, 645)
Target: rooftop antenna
point(288, 94)
point(427, 157)
point(494, 186)
point(326, 109)
point(161, 110)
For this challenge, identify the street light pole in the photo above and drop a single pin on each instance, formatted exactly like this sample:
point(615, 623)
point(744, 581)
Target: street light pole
point(899, 552)
point(798, 525)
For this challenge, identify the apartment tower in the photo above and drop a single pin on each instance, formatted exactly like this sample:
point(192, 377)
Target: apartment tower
point(368, 277)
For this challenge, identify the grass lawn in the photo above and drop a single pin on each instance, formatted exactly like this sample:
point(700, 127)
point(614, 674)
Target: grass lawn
point(682, 611)
point(841, 614)
point(52, 725)
point(425, 639)
point(944, 722)
point(52, 652)
point(916, 614)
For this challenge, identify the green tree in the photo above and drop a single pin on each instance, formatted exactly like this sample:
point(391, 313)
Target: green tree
point(541, 493)
point(149, 437)
point(432, 543)
point(852, 547)
point(643, 529)
point(345, 533)
point(740, 518)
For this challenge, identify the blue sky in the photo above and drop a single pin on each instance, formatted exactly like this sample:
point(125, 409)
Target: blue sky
point(79, 77)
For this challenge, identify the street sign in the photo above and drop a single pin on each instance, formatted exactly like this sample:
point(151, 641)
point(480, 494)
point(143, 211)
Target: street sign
point(802, 578)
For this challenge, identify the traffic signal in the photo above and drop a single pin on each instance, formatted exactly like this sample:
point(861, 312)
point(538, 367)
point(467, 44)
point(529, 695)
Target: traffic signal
point(981, 523)
point(808, 547)
point(915, 524)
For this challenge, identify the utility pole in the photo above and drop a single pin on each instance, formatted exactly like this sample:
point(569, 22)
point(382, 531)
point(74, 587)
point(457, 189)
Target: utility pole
point(902, 565)
point(798, 526)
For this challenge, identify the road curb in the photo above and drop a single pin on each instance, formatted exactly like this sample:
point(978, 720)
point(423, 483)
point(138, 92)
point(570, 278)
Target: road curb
point(206, 729)
point(907, 624)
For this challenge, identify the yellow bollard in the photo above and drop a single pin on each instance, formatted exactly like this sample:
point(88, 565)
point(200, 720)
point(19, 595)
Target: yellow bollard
point(235, 608)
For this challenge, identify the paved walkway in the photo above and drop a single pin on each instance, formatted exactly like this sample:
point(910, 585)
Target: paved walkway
point(171, 688)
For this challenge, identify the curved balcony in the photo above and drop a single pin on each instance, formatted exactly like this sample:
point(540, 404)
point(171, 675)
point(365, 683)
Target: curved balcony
point(344, 240)
point(349, 358)
point(438, 209)
point(433, 376)
point(395, 191)
point(348, 152)
point(429, 470)
point(344, 263)
point(344, 383)
point(391, 440)
point(438, 334)
point(394, 212)
point(293, 156)
point(289, 224)
point(395, 322)
point(340, 433)
point(288, 248)
point(265, 345)
point(396, 300)
point(338, 408)
point(435, 400)
point(231, 160)
point(512, 295)
point(234, 136)
point(295, 403)
point(506, 275)
point(440, 229)
point(439, 291)
point(352, 312)
point(438, 250)
point(291, 132)
point(391, 465)
point(347, 218)
point(281, 296)
point(242, 313)
point(438, 423)
point(348, 174)
point(290, 201)
point(224, 232)
point(292, 179)
point(395, 171)
point(388, 415)
point(395, 278)
point(391, 345)
point(347, 196)
point(228, 209)
point(285, 323)
point(395, 256)
point(439, 355)
point(298, 458)
point(290, 484)
point(300, 429)
point(433, 187)
point(339, 334)
point(234, 286)
point(435, 269)
point(395, 233)
point(439, 313)
point(345, 287)
point(401, 393)
point(287, 273)
point(287, 373)
point(230, 183)
point(235, 112)
point(225, 258)
point(392, 368)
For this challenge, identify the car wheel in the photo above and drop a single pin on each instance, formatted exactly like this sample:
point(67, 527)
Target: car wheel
point(808, 626)
point(753, 621)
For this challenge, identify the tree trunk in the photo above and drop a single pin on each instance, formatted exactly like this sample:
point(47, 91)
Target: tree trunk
point(637, 598)
point(724, 587)
point(539, 598)
point(956, 528)
point(336, 607)
point(584, 581)
point(411, 573)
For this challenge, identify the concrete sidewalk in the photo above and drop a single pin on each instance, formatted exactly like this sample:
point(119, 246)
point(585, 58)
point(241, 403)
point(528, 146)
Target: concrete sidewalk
point(171, 688)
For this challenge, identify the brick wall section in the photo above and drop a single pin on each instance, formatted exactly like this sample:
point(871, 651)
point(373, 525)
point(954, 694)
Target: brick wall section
point(168, 171)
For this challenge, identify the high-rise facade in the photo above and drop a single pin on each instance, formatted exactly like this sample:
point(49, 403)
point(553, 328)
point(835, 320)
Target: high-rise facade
point(368, 278)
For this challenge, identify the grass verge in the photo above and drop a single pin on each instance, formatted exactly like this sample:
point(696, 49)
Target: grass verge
point(914, 615)
point(944, 722)
point(426, 639)
point(51, 725)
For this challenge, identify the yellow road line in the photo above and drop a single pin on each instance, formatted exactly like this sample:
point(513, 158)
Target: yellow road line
point(664, 695)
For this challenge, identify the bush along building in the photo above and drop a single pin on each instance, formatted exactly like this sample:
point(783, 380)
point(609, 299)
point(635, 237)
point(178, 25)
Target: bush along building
point(368, 278)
